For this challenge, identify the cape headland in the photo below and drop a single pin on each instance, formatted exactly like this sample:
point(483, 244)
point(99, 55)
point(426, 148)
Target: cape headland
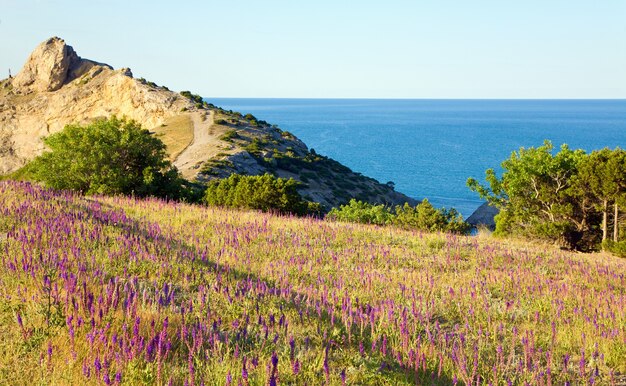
point(57, 87)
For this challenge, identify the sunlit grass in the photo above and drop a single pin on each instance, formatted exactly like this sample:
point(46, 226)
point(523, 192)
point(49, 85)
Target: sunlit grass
point(176, 133)
point(329, 301)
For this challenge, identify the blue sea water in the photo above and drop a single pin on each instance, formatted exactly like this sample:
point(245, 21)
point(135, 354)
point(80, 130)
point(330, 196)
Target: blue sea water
point(429, 148)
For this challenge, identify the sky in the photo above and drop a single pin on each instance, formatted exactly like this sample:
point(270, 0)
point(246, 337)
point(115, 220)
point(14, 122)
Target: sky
point(338, 48)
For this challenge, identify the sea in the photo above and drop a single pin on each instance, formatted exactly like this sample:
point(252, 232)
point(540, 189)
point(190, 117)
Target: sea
point(428, 148)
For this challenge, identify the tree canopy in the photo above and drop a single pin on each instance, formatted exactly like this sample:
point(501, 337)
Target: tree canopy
point(560, 197)
point(108, 156)
point(266, 193)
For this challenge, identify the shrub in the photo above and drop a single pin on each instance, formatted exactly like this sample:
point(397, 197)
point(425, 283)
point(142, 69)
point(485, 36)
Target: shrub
point(362, 212)
point(229, 136)
point(617, 248)
point(194, 97)
point(266, 193)
point(423, 216)
point(428, 218)
point(109, 156)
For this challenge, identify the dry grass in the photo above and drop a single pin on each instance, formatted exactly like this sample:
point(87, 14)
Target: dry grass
point(176, 134)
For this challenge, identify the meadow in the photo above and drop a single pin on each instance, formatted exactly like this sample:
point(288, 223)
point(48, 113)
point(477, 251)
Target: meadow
point(116, 290)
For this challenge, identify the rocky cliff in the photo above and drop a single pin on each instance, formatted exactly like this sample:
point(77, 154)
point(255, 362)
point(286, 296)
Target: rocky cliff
point(57, 87)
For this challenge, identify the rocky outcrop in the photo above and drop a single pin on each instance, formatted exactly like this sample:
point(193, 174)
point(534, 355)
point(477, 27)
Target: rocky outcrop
point(51, 65)
point(483, 216)
point(57, 87)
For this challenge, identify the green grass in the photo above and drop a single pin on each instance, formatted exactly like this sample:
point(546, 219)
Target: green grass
point(426, 308)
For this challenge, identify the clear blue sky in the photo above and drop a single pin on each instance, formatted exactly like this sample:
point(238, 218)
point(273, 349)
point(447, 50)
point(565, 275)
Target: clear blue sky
point(340, 48)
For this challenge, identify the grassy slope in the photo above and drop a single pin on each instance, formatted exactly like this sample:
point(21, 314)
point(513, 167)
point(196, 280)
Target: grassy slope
point(176, 133)
point(216, 286)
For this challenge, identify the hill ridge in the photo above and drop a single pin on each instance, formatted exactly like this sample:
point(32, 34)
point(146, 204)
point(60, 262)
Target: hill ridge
point(57, 87)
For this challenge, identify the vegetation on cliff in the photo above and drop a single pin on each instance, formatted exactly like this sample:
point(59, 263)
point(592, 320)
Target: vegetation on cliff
point(265, 193)
point(254, 147)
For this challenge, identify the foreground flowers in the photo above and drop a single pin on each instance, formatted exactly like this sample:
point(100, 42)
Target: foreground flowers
point(115, 290)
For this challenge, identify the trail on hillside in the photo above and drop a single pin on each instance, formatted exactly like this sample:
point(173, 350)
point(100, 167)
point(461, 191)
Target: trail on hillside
point(203, 146)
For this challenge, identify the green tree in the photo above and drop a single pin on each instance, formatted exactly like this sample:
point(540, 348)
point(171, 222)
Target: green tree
point(603, 174)
point(537, 197)
point(266, 193)
point(108, 156)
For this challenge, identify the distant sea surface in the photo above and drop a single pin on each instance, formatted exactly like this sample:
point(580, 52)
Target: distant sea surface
point(429, 148)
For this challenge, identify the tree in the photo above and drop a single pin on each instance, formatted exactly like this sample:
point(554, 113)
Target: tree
point(603, 174)
point(108, 156)
point(266, 193)
point(536, 195)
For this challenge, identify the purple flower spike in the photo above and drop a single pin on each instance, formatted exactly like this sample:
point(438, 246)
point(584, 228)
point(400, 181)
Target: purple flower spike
point(229, 379)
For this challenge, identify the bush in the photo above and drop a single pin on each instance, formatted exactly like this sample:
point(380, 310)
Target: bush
point(423, 216)
point(109, 156)
point(194, 97)
point(617, 248)
point(266, 193)
point(362, 212)
point(229, 136)
point(426, 217)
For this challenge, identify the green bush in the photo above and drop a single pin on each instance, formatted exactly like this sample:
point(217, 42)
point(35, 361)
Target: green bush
point(109, 156)
point(423, 216)
point(362, 212)
point(229, 136)
point(194, 97)
point(266, 193)
point(426, 217)
point(617, 248)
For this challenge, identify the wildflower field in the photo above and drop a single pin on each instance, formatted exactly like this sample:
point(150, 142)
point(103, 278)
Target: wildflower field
point(101, 290)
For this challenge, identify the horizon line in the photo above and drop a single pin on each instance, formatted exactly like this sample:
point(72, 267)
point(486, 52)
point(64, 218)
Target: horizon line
point(447, 99)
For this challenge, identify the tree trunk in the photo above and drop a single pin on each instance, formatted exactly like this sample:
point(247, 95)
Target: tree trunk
point(615, 223)
point(605, 216)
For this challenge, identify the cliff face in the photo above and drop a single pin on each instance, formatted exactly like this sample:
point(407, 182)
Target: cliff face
point(57, 87)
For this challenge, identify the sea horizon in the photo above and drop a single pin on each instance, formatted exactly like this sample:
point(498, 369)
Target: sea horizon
point(429, 147)
point(421, 99)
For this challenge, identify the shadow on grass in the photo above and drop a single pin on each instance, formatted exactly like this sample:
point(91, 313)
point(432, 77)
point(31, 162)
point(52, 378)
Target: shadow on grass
point(374, 362)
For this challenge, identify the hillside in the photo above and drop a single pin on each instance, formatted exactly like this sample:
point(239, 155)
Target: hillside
point(57, 87)
point(116, 290)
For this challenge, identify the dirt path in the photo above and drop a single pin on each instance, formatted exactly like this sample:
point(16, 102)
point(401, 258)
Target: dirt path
point(203, 146)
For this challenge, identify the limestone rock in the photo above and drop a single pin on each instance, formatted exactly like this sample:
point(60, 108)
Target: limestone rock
point(47, 67)
point(57, 87)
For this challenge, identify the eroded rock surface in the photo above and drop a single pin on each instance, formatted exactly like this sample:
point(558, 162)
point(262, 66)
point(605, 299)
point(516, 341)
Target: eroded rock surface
point(57, 87)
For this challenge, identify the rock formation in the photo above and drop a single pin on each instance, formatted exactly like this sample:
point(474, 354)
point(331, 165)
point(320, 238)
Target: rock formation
point(57, 87)
point(51, 65)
